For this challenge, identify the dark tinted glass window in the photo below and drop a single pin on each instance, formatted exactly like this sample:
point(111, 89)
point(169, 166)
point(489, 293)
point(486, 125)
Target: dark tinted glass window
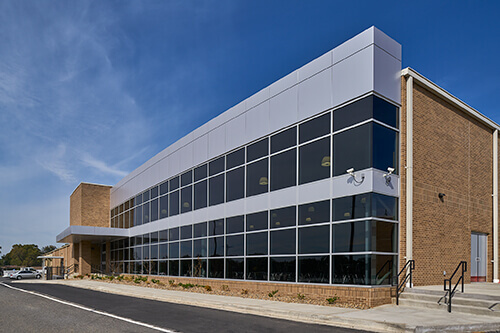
point(314, 128)
point(200, 247)
point(384, 206)
point(173, 250)
point(283, 217)
point(385, 148)
point(258, 150)
point(216, 190)
point(314, 269)
point(186, 232)
point(235, 268)
point(145, 239)
point(200, 195)
point(164, 188)
point(145, 196)
point(284, 140)
point(343, 208)
point(186, 249)
point(216, 268)
point(138, 199)
point(234, 245)
point(351, 269)
point(200, 229)
point(163, 251)
point(216, 246)
point(163, 237)
point(200, 172)
point(187, 178)
point(235, 158)
point(351, 237)
point(138, 215)
point(200, 267)
point(352, 149)
point(284, 170)
point(186, 267)
point(154, 237)
point(173, 267)
point(314, 212)
point(145, 213)
point(314, 161)
point(257, 221)
point(385, 112)
point(257, 243)
point(216, 227)
point(257, 269)
point(154, 252)
point(282, 269)
point(257, 178)
point(353, 113)
point(173, 234)
point(235, 184)
point(216, 166)
point(186, 198)
point(283, 241)
point(174, 183)
point(163, 206)
point(314, 240)
point(154, 210)
point(174, 203)
point(154, 192)
point(235, 224)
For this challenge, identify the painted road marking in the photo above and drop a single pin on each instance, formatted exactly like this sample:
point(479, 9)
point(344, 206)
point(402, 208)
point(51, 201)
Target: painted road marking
point(92, 310)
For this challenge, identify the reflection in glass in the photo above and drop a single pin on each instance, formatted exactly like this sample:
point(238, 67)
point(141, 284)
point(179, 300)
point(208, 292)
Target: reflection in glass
point(216, 190)
point(283, 140)
point(173, 267)
point(283, 241)
point(314, 128)
point(186, 197)
point(257, 243)
point(186, 268)
point(235, 224)
point(200, 229)
point(256, 268)
point(257, 181)
point(163, 206)
point(258, 150)
point(216, 227)
point(314, 212)
point(312, 166)
point(314, 239)
point(216, 268)
point(200, 195)
point(200, 248)
point(282, 269)
point(283, 170)
point(314, 269)
point(234, 268)
point(174, 203)
point(283, 217)
point(200, 172)
point(234, 245)
point(235, 158)
point(216, 166)
point(257, 221)
point(186, 231)
point(216, 246)
point(199, 267)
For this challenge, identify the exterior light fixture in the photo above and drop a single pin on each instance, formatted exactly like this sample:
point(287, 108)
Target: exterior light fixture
point(325, 162)
point(277, 223)
point(441, 196)
point(353, 175)
point(308, 219)
point(164, 211)
point(263, 181)
point(185, 204)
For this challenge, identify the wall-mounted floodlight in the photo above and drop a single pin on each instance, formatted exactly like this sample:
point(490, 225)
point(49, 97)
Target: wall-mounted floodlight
point(353, 175)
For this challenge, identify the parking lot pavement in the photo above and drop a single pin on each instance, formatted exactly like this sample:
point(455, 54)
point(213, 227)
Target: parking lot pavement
point(23, 312)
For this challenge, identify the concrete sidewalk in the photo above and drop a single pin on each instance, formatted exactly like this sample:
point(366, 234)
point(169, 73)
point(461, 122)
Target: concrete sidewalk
point(386, 318)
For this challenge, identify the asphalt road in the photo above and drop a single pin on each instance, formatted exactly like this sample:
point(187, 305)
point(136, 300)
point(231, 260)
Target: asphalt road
point(32, 313)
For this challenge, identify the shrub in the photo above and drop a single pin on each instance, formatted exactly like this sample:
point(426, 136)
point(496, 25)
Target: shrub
point(171, 282)
point(301, 296)
point(208, 288)
point(272, 293)
point(244, 291)
point(225, 287)
point(155, 281)
point(332, 300)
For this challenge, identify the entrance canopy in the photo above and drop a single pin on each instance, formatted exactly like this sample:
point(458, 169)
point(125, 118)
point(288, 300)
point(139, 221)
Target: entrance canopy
point(78, 233)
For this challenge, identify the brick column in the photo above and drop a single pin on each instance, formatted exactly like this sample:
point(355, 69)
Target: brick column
point(85, 254)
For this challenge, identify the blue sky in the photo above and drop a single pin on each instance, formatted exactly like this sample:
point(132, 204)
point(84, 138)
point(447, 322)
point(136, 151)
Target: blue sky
point(90, 90)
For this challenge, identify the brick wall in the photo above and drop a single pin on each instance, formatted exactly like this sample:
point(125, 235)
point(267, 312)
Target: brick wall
point(452, 154)
point(89, 205)
point(359, 296)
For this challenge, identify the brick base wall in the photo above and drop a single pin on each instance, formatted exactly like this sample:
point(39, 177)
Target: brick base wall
point(363, 297)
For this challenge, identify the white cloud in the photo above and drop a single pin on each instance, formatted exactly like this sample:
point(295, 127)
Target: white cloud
point(101, 166)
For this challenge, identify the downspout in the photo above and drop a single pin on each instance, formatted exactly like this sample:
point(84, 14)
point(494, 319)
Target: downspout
point(495, 206)
point(409, 168)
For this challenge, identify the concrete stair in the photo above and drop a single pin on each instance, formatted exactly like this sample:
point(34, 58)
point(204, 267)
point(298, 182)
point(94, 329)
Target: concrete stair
point(477, 304)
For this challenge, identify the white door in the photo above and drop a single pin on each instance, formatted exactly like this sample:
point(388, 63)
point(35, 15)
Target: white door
point(478, 258)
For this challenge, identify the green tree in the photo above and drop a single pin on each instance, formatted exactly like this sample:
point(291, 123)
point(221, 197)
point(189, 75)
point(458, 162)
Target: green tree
point(48, 248)
point(23, 255)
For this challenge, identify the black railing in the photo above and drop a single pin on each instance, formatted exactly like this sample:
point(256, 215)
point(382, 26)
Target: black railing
point(451, 292)
point(408, 275)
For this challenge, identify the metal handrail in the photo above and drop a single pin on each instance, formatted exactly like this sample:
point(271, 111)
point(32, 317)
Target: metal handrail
point(463, 265)
point(410, 264)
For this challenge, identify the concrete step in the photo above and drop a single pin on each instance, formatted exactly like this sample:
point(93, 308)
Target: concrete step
point(477, 304)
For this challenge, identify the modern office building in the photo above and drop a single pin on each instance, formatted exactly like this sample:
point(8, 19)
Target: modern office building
point(327, 181)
